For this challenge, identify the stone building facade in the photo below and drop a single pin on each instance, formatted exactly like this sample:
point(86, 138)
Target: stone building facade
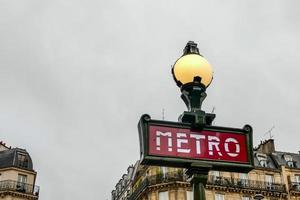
point(276, 176)
point(17, 177)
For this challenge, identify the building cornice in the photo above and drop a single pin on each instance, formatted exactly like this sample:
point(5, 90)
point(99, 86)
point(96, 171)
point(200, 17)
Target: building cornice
point(18, 169)
point(18, 194)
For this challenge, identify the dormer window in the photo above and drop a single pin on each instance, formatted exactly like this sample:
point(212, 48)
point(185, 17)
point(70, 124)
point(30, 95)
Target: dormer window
point(124, 181)
point(22, 160)
point(289, 160)
point(262, 159)
point(118, 188)
point(113, 195)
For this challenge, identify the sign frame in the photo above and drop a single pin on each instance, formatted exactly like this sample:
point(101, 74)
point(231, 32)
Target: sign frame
point(147, 159)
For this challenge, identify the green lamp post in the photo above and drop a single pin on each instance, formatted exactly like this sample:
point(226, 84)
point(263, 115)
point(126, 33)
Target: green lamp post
point(177, 144)
point(193, 74)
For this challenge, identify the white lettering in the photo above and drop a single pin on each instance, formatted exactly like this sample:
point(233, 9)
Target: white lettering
point(193, 142)
point(213, 141)
point(237, 147)
point(166, 134)
point(198, 145)
point(181, 141)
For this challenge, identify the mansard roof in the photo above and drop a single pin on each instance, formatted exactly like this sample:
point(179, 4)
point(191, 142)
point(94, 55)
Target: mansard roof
point(276, 158)
point(269, 161)
point(126, 179)
point(279, 157)
point(16, 157)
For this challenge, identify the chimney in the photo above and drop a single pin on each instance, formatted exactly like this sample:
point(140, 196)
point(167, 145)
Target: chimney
point(266, 147)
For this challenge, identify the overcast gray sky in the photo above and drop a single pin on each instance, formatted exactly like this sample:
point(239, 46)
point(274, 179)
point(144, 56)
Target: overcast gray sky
point(77, 75)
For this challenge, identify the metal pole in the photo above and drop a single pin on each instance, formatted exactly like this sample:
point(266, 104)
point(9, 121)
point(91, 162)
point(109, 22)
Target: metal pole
point(198, 190)
point(198, 178)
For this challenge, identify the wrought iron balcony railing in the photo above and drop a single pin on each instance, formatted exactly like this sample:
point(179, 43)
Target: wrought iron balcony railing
point(157, 179)
point(295, 186)
point(10, 185)
point(212, 181)
point(245, 184)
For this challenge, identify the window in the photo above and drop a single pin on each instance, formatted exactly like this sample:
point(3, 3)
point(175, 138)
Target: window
point(22, 160)
point(245, 198)
point(290, 164)
point(164, 171)
point(163, 195)
point(113, 194)
point(297, 179)
point(128, 193)
point(289, 160)
point(21, 185)
point(215, 173)
point(219, 196)
point(262, 159)
point(269, 178)
point(296, 182)
point(189, 195)
point(216, 177)
point(119, 187)
point(243, 176)
point(244, 179)
point(22, 178)
point(270, 182)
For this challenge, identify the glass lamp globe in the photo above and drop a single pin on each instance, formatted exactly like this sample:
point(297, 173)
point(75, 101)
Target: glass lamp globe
point(192, 65)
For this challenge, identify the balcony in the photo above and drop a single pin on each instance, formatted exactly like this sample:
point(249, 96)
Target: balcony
point(167, 178)
point(294, 187)
point(213, 181)
point(245, 184)
point(14, 186)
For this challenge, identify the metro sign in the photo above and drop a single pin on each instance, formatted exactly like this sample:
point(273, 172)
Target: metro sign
point(178, 145)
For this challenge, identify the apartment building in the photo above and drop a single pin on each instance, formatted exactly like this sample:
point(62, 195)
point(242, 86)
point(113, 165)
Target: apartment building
point(17, 176)
point(276, 176)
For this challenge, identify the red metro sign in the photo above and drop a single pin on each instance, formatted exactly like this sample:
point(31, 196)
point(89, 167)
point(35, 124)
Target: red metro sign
point(209, 145)
point(178, 145)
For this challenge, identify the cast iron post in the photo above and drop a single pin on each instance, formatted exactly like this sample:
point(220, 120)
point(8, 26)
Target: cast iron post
point(193, 94)
point(198, 175)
